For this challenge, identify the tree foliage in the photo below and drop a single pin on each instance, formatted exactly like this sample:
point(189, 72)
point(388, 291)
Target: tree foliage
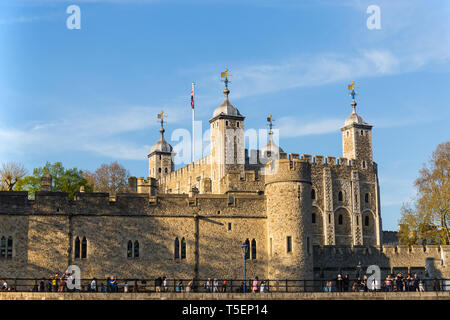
point(111, 178)
point(429, 217)
point(10, 174)
point(63, 180)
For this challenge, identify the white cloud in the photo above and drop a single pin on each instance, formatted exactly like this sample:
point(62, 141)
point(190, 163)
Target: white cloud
point(96, 133)
point(292, 127)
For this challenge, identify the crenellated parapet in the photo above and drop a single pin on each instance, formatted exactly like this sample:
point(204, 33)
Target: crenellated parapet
point(130, 204)
point(286, 169)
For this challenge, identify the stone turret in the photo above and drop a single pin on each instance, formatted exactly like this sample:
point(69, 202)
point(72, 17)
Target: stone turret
point(227, 141)
point(161, 155)
point(357, 136)
point(288, 203)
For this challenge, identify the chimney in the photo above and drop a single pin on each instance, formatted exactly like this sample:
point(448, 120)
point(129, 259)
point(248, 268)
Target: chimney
point(46, 182)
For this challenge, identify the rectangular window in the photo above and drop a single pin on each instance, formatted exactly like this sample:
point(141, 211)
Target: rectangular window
point(289, 244)
point(229, 226)
point(307, 245)
point(10, 248)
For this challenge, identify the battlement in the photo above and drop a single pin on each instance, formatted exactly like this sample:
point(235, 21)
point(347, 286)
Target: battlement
point(128, 204)
point(389, 250)
point(331, 161)
point(287, 169)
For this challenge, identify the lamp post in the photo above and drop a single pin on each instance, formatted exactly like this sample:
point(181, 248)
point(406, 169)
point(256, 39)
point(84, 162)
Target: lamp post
point(245, 250)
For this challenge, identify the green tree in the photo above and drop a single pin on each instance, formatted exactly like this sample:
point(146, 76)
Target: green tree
point(429, 217)
point(408, 225)
point(63, 180)
point(111, 178)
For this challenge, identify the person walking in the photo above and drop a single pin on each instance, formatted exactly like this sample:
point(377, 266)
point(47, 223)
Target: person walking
point(215, 285)
point(158, 283)
point(388, 283)
point(189, 285)
point(339, 283)
point(208, 285)
point(346, 282)
point(4, 285)
point(263, 286)
point(165, 284)
point(416, 282)
point(179, 286)
point(255, 285)
point(93, 285)
point(41, 287)
point(224, 286)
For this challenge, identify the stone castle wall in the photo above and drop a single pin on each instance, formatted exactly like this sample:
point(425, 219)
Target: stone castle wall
point(44, 231)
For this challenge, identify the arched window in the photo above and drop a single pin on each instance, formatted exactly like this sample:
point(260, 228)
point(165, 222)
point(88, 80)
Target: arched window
point(357, 220)
point(340, 196)
point(165, 170)
point(183, 248)
point(247, 249)
point(313, 194)
point(364, 164)
point(253, 249)
point(84, 248)
point(77, 248)
point(129, 249)
point(159, 170)
point(3, 248)
point(313, 218)
point(329, 218)
point(136, 249)
point(340, 219)
point(366, 198)
point(366, 221)
point(176, 249)
point(10, 248)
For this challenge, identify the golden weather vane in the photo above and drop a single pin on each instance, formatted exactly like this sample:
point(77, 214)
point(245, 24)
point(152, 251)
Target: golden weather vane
point(352, 88)
point(225, 75)
point(353, 94)
point(161, 116)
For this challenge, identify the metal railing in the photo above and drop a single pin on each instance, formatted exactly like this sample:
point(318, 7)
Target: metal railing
point(219, 285)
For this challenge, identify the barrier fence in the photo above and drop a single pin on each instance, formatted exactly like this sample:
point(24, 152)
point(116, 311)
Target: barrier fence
point(219, 285)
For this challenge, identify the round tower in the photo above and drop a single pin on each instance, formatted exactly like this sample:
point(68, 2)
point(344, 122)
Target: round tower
point(289, 211)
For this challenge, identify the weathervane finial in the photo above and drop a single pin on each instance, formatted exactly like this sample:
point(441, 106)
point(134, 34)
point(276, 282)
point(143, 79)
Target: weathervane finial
point(161, 117)
point(353, 93)
point(270, 123)
point(225, 80)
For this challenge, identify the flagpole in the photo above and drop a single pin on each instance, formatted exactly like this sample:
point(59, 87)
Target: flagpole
point(193, 124)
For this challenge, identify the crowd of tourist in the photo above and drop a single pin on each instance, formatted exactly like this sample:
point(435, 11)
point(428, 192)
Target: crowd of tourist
point(362, 283)
point(397, 283)
point(211, 285)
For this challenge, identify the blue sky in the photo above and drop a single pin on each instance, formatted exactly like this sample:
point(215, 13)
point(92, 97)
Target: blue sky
point(90, 96)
